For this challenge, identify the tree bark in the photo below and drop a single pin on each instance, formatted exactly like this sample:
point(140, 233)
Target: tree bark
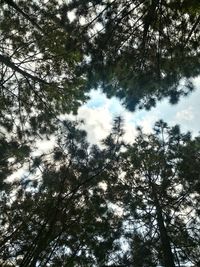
point(165, 240)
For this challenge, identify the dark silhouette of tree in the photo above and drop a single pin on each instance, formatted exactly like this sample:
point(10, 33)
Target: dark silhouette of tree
point(156, 185)
point(57, 215)
point(76, 205)
point(141, 51)
point(38, 75)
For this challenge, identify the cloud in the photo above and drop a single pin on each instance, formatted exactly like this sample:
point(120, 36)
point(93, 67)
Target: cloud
point(98, 114)
point(185, 114)
point(97, 122)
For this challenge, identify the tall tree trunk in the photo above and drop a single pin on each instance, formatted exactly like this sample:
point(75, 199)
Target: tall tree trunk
point(165, 241)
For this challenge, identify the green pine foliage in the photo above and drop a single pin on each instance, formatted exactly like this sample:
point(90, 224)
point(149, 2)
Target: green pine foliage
point(78, 204)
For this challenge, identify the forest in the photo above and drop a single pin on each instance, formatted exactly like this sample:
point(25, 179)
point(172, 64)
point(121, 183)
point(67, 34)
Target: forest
point(116, 203)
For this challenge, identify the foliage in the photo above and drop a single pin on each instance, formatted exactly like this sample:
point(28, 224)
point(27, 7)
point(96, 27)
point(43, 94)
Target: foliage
point(76, 205)
point(160, 196)
point(57, 215)
point(141, 51)
point(39, 78)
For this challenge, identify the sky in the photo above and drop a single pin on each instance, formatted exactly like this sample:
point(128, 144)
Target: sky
point(98, 114)
point(99, 111)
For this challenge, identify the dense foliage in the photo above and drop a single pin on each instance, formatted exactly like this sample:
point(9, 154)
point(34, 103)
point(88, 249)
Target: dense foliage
point(52, 53)
point(81, 205)
point(141, 50)
point(78, 204)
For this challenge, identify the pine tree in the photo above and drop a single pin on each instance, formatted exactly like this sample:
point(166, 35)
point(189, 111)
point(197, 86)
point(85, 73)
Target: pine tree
point(141, 51)
point(56, 214)
point(159, 198)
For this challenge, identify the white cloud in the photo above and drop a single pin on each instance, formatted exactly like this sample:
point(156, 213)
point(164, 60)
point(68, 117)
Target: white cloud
point(185, 114)
point(99, 111)
point(43, 146)
point(148, 122)
point(98, 115)
point(98, 122)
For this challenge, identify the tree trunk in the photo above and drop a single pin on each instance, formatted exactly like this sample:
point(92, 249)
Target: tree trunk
point(165, 241)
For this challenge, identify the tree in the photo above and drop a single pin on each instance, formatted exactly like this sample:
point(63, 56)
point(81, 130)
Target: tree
point(141, 51)
point(76, 204)
point(57, 214)
point(161, 203)
point(39, 78)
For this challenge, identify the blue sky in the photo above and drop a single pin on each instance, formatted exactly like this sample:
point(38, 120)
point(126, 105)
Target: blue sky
point(99, 112)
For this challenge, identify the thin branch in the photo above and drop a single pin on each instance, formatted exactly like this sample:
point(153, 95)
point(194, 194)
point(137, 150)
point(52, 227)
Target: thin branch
point(18, 9)
point(191, 31)
point(6, 60)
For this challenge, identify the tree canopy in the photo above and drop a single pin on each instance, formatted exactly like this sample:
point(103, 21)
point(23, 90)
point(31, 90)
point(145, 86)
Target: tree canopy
point(77, 204)
point(53, 52)
point(141, 51)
